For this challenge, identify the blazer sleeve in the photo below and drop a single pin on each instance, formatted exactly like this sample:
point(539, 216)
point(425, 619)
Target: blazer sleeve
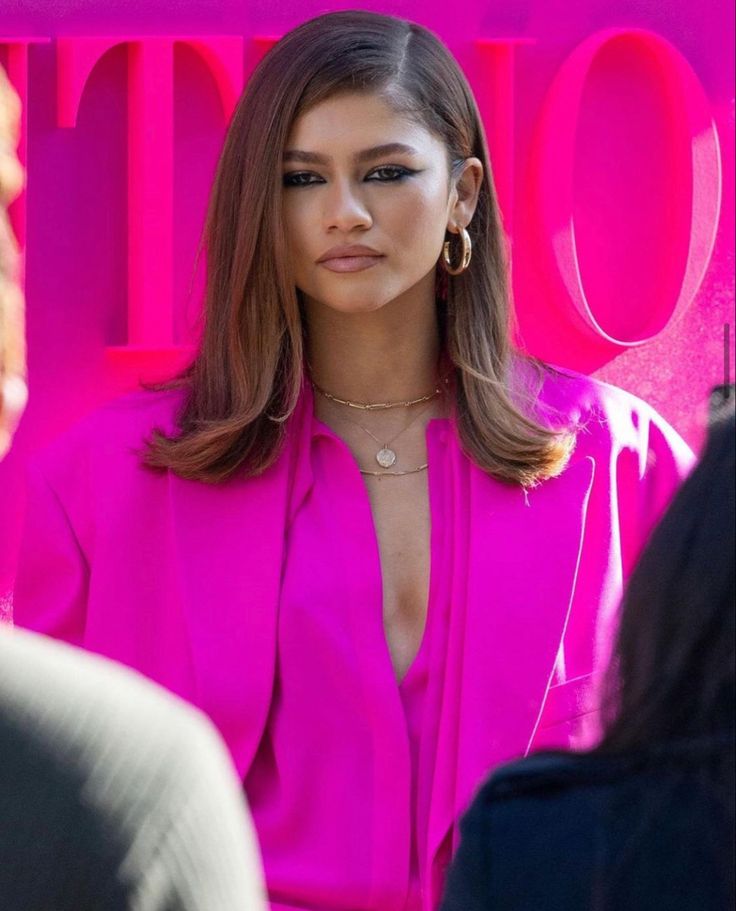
point(51, 585)
point(648, 476)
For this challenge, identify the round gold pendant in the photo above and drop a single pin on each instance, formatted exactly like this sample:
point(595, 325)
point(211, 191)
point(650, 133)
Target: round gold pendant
point(386, 457)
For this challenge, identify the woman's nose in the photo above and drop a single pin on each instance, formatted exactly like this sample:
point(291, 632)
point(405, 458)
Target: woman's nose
point(345, 209)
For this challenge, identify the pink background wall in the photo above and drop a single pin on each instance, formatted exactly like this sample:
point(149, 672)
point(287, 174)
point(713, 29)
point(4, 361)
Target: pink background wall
point(611, 133)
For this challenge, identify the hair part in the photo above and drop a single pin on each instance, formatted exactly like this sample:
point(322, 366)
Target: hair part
point(245, 380)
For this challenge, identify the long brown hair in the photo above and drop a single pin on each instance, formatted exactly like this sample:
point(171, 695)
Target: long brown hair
point(673, 673)
point(246, 378)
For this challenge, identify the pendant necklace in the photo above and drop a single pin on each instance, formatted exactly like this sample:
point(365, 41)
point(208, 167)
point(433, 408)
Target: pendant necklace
point(386, 455)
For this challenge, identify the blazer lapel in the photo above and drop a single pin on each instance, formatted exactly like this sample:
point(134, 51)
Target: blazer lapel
point(515, 571)
point(229, 541)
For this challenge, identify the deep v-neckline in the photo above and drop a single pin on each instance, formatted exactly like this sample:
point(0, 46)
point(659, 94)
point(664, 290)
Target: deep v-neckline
point(431, 426)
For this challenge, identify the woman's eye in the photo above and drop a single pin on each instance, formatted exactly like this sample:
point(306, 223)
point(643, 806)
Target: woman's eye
point(384, 174)
point(390, 172)
point(299, 179)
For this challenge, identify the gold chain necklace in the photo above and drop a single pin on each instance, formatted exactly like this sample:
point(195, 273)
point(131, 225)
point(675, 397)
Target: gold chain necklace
point(376, 406)
point(386, 456)
point(393, 474)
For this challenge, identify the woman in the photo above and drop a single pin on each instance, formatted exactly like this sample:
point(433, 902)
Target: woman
point(646, 820)
point(376, 545)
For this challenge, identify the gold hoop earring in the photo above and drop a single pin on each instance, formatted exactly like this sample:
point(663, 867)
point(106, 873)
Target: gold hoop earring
point(467, 253)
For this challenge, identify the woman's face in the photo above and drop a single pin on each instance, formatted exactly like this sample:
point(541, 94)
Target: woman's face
point(357, 173)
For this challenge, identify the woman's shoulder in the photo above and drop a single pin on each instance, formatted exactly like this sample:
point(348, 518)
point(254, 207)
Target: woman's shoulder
point(564, 774)
point(552, 771)
point(581, 397)
point(601, 414)
point(127, 417)
point(111, 434)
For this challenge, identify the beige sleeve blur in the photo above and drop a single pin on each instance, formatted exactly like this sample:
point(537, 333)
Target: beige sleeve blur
point(150, 770)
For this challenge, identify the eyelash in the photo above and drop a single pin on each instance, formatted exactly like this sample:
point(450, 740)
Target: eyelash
point(399, 173)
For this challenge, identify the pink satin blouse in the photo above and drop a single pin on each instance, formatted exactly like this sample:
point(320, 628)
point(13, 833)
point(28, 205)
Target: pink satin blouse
point(340, 786)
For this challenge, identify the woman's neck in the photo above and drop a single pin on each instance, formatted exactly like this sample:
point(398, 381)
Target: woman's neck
point(384, 356)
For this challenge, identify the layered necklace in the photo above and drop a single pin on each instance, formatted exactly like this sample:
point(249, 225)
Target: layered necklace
point(386, 455)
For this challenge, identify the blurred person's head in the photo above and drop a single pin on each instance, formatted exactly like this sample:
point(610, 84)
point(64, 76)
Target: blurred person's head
point(12, 324)
point(672, 676)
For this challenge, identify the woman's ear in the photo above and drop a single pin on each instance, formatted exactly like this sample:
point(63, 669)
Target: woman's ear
point(467, 189)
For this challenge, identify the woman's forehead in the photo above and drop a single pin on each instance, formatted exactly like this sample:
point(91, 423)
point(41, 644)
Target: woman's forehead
point(355, 123)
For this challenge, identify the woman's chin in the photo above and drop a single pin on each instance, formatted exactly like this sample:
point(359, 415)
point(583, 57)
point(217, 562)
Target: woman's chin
point(354, 304)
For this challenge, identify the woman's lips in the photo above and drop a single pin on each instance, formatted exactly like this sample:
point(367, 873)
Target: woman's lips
point(350, 263)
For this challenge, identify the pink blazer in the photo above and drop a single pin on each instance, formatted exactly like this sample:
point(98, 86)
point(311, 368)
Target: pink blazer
point(181, 580)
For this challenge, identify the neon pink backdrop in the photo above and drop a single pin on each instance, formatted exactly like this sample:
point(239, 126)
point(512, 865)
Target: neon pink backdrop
point(611, 136)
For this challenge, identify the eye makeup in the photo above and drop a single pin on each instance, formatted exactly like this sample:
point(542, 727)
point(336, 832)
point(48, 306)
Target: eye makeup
point(392, 174)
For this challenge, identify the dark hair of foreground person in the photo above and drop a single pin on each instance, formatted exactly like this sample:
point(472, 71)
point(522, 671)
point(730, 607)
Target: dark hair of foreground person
point(646, 819)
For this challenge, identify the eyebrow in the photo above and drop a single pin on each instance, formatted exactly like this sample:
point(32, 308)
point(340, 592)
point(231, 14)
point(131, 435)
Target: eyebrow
point(389, 148)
